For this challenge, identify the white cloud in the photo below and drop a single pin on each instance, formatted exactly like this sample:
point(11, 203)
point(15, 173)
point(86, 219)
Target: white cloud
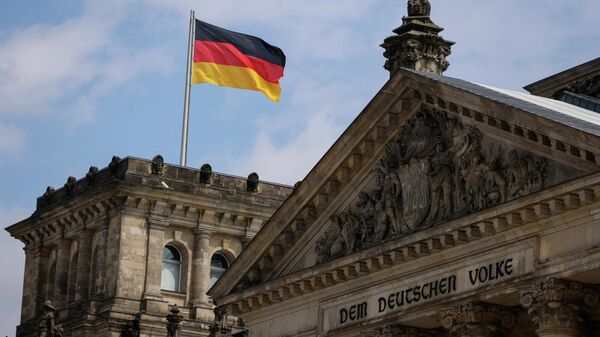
point(42, 63)
point(507, 43)
point(43, 66)
point(12, 259)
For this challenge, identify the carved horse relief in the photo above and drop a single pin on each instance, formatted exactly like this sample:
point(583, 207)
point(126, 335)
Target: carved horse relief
point(435, 170)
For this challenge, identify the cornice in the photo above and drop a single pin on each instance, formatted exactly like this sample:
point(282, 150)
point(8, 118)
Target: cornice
point(51, 224)
point(550, 203)
point(349, 158)
point(550, 85)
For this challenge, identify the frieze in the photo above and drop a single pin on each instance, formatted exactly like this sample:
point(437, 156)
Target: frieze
point(436, 170)
point(410, 293)
point(589, 86)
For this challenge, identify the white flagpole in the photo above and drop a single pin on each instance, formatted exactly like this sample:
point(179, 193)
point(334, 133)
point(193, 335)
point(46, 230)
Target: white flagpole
point(188, 84)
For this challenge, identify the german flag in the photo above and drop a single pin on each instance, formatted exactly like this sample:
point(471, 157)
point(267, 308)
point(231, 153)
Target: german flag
point(231, 59)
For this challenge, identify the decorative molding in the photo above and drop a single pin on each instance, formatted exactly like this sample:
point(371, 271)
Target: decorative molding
point(395, 330)
point(435, 170)
point(558, 305)
point(417, 44)
point(486, 224)
point(475, 319)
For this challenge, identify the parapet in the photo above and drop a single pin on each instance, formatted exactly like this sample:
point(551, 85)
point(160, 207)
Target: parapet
point(156, 174)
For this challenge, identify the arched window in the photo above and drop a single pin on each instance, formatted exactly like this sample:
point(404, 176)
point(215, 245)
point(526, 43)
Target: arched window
point(171, 269)
point(218, 266)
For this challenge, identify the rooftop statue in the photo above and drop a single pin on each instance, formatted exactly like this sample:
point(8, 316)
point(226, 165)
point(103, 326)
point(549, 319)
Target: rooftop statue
point(419, 8)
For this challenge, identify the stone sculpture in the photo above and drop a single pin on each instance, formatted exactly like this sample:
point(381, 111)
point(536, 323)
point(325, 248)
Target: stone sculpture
point(158, 165)
point(174, 320)
point(48, 327)
point(589, 86)
point(419, 8)
point(435, 170)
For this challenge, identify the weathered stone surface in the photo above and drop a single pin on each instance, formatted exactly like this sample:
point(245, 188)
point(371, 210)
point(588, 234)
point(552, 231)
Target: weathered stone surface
point(100, 261)
point(417, 44)
point(436, 170)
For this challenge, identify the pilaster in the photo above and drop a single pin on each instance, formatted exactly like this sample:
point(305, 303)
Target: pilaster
point(558, 307)
point(201, 308)
point(97, 280)
point(61, 274)
point(152, 300)
point(84, 263)
point(475, 319)
point(36, 264)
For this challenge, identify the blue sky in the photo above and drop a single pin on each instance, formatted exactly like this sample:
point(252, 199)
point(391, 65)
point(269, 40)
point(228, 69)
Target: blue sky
point(83, 81)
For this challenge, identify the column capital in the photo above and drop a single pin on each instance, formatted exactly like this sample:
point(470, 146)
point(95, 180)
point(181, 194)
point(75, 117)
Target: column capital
point(204, 230)
point(64, 244)
point(36, 250)
point(395, 330)
point(478, 319)
point(85, 234)
point(557, 307)
point(158, 222)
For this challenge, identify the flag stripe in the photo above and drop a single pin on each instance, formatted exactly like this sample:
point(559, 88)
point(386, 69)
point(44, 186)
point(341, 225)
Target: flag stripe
point(227, 54)
point(232, 76)
point(247, 44)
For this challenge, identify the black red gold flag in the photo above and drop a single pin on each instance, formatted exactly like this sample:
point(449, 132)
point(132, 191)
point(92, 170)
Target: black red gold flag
point(231, 59)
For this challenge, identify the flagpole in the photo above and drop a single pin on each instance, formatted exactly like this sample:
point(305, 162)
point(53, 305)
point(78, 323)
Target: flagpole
point(188, 84)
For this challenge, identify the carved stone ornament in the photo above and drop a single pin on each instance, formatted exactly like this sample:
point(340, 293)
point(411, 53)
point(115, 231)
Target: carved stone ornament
point(417, 43)
point(589, 86)
point(436, 170)
point(174, 320)
point(398, 331)
point(220, 326)
point(91, 175)
point(555, 305)
point(478, 320)
point(158, 165)
point(252, 182)
point(113, 166)
point(49, 191)
point(48, 327)
point(70, 184)
point(205, 173)
point(419, 8)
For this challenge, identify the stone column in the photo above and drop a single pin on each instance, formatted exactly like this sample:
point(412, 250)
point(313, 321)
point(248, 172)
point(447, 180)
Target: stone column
point(97, 280)
point(36, 269)
point(84, 264)
point(477, 319)
point(61, 275)
point(152, 301)
point(201, 274)
point(395, 330)
point(558, 307)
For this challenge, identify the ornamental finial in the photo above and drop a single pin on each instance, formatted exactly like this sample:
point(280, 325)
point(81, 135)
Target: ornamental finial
point(419, 8)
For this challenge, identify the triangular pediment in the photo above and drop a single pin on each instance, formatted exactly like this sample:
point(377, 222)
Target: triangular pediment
point(436, 170)
point(424, 152)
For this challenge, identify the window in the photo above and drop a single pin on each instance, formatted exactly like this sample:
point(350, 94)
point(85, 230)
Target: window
point(171, 269)
point(218, 266)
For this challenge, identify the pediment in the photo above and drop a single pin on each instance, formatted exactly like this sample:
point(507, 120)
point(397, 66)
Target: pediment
point(435, 170)
point(423, 153)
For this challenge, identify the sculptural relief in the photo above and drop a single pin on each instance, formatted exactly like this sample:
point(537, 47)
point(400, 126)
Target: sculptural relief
point(436, 170)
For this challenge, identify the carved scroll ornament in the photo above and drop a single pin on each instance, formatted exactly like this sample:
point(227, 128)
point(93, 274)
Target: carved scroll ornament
point(436, 169)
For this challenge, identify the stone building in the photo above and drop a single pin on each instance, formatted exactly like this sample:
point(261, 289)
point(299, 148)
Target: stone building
point(113, 250)
point(447, 208)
